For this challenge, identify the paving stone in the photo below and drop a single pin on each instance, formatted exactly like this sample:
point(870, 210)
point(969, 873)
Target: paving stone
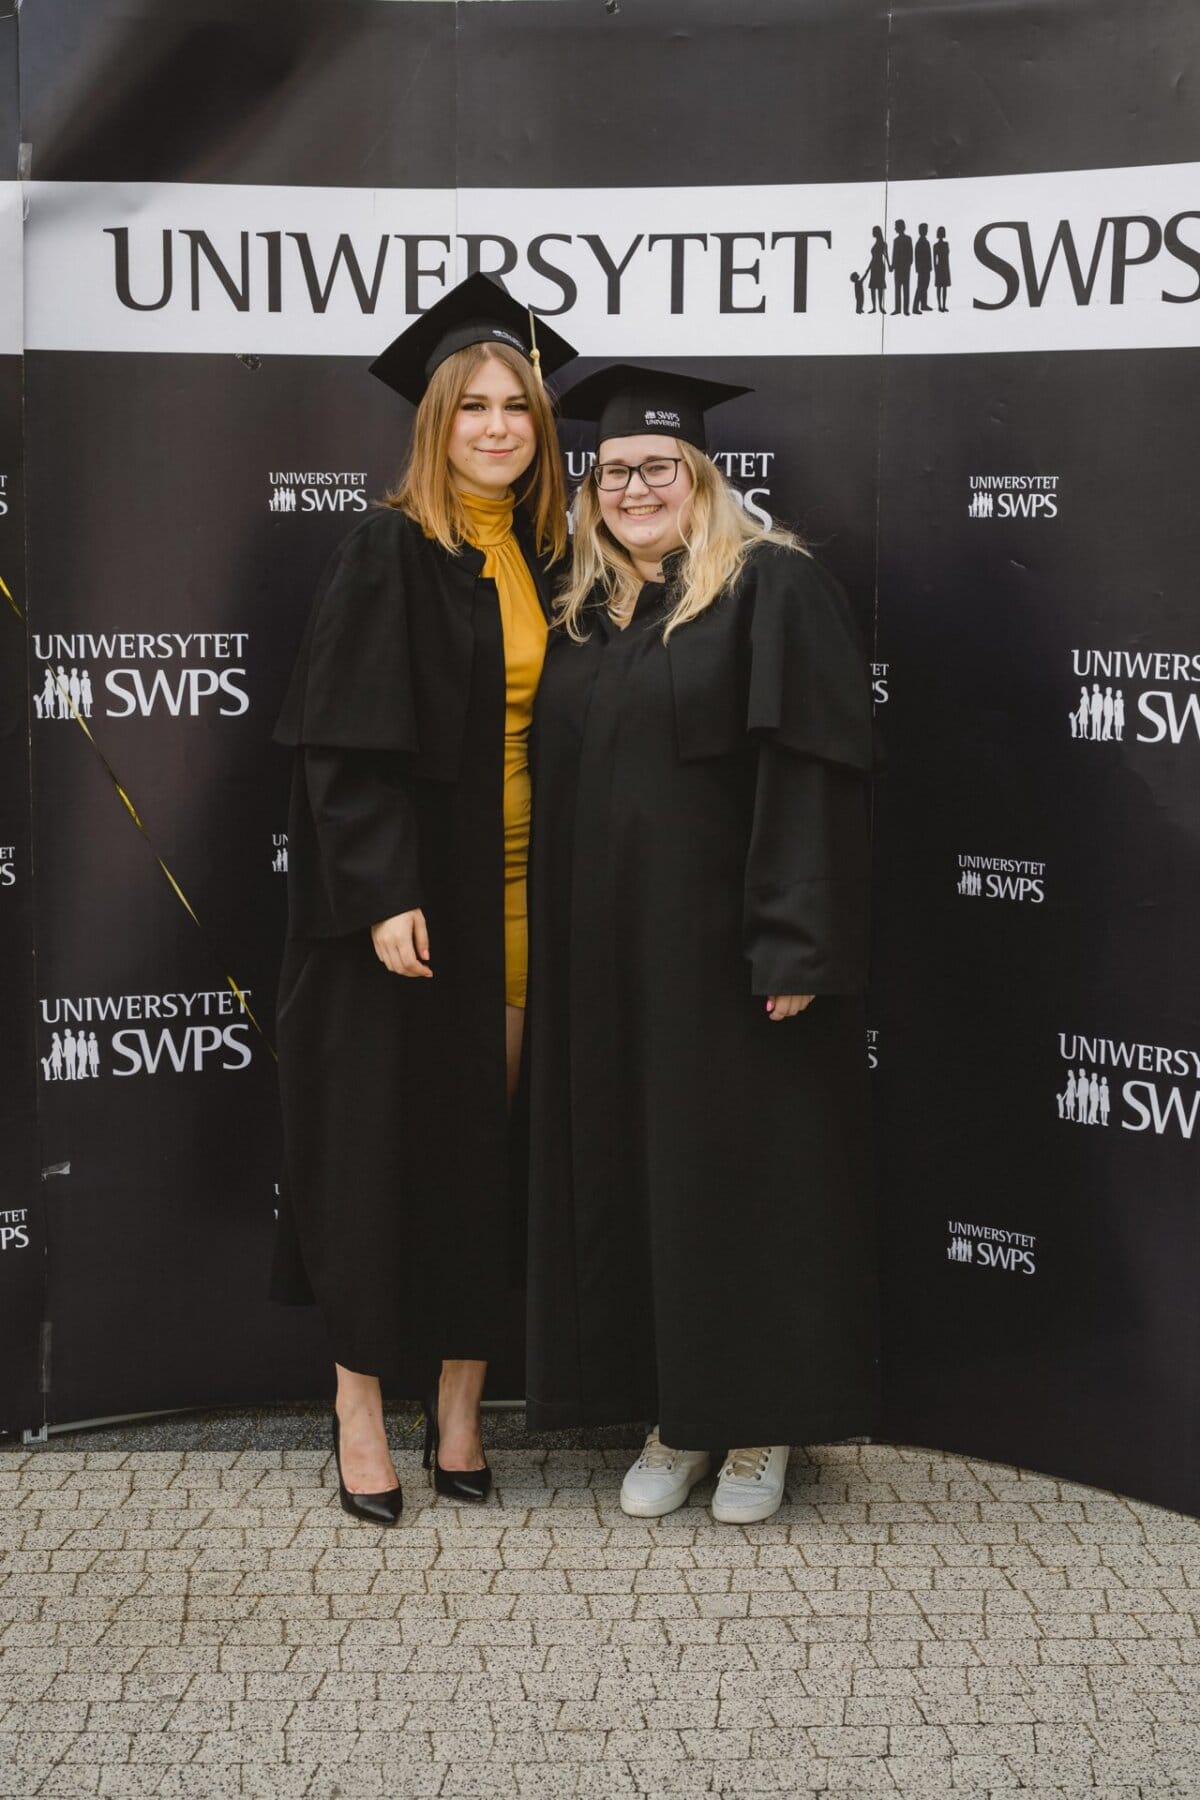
point(910, 1623)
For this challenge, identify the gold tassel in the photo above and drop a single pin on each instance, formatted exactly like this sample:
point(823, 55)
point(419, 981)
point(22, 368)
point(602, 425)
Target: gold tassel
point(535, 355)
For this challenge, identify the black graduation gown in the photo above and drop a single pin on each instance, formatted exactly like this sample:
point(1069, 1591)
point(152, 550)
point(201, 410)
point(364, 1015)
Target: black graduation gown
point(700, 1231)
point(394, 1215)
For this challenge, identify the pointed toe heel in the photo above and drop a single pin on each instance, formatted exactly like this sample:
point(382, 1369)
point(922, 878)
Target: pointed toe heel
point(376, 1509)
point(455, 1484)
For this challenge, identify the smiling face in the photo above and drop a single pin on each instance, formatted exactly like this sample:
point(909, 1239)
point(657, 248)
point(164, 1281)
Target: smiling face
point(493, 438)
point(647, 521)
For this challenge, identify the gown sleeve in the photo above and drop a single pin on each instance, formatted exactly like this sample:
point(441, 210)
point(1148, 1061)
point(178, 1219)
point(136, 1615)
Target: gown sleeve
point(807, 876)
point(349, 714)
point(365, 829)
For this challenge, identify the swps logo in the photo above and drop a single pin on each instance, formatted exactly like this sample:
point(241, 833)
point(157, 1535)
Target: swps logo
point(989, 1247)
point(1139, 696)
point(123, 674)
point(144, 1034)
point(317, 490)
point(1013, 497)
point(1002, 878)
point(14, 1229)
point(1140, 1087)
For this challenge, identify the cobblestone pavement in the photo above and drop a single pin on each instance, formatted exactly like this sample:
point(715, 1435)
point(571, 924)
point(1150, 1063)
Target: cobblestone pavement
point(911, 1623)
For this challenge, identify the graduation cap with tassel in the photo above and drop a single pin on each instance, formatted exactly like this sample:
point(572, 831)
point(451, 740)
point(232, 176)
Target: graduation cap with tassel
point(477, 311)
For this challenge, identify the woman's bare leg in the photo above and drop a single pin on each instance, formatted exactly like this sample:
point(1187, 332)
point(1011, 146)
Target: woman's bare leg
point(367, 1466)
point(460, 1391)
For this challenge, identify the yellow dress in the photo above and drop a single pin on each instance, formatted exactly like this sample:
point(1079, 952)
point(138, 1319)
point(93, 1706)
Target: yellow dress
point(489, 528)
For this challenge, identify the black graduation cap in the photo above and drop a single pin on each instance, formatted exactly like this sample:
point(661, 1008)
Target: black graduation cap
point(626, 401)
point(477, 311)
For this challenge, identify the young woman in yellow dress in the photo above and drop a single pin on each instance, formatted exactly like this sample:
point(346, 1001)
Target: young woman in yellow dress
point(402, 996)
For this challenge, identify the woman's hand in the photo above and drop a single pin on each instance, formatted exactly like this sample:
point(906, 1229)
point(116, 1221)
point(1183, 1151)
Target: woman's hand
point(402, 943)
point(786, 1006)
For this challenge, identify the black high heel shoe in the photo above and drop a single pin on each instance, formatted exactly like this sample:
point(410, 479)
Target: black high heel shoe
point(377, 1509)
point(456, 1484)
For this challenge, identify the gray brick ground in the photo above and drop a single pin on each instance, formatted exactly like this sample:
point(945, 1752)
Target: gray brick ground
point(209, 1623)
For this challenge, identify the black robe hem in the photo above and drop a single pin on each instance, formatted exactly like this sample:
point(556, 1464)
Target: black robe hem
point(798, 1425)
point(395, 1363)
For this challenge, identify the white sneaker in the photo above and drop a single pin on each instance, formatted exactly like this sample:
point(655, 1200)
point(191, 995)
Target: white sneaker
point(750, 1485)
point(661, 1479)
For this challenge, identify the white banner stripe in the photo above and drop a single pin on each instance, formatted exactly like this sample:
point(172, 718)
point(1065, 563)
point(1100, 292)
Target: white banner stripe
point(1087, 259)
point(11, 252)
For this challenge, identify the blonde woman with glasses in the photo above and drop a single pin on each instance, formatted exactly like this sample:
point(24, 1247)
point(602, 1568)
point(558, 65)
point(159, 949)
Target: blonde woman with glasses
point(700, 1235)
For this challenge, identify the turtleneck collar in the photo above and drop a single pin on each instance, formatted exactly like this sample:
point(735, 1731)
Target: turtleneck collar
point(489, 517)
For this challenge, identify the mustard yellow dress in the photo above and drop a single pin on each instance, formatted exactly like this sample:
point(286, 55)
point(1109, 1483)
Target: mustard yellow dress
point(489, 528)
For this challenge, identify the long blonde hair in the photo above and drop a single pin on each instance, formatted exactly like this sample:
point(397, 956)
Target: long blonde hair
point(718, 533)
point(425, 491)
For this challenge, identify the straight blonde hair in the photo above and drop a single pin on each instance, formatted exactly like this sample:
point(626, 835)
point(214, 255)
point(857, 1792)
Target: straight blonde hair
point(718, 534)
point(425, 490)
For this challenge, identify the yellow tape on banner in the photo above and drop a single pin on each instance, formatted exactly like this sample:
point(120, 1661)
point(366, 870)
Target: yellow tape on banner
point(131, 809)
point(11, 601)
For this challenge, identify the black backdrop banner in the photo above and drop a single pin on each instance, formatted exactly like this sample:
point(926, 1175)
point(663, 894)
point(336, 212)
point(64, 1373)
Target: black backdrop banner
point(956, 252)
point(22, 1260)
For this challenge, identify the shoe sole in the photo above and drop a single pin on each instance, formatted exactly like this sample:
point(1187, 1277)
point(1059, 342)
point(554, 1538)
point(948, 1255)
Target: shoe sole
point(649, 1509)
point(746, 1515)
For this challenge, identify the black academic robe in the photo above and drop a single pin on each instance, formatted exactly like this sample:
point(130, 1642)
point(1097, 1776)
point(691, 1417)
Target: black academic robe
point(395, 1212)
point(700, 1236)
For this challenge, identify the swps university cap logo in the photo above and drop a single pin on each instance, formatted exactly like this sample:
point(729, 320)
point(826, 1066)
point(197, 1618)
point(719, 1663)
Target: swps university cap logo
point(144, 1034)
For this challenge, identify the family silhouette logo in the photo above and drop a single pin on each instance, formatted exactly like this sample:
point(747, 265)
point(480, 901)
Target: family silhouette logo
point(1099, 717)
point(1113, 708)
point(1140, 1087)
point(317, 490)
point(914, 264)
point(1013, 497)
point(1002, 878)
point(64, 693)
point(144, 1034)
point(73, 1056)
point(1086, 1099)
point(125, 674)
point(990, 1247)
point(279, 857)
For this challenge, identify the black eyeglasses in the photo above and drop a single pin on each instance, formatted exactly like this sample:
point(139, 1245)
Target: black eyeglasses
point(659, 471)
